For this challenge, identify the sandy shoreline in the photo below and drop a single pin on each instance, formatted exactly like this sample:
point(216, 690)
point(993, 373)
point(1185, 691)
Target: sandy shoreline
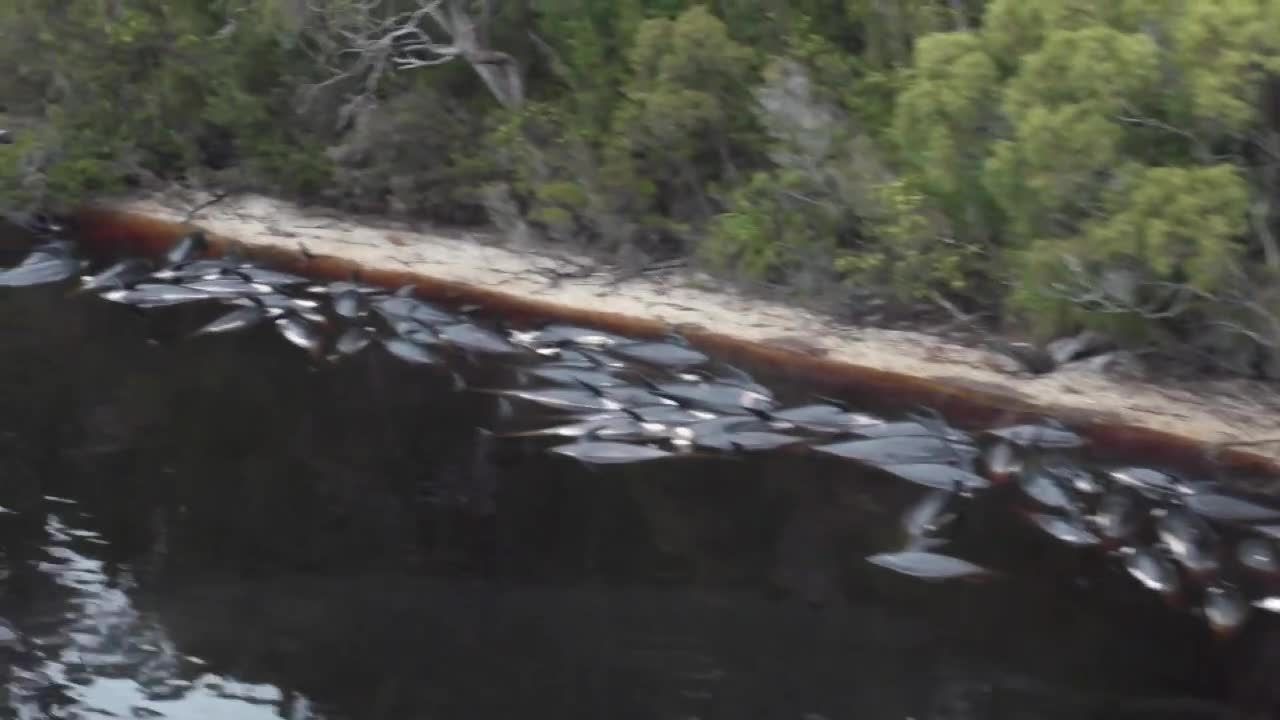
point(1235, 411)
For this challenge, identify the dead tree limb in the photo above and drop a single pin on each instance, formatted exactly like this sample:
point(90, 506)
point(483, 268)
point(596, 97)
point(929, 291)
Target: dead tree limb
point(1243, 306)
point(360, 42)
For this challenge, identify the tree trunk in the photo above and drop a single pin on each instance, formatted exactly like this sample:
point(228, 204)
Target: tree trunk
point(1265, 213)
point(499, 71)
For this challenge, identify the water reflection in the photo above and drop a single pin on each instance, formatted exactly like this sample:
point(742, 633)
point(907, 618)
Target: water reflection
point(100, 656)
point(217, 528)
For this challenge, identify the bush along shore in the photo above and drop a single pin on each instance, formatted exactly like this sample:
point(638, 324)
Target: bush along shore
point(1101, 172)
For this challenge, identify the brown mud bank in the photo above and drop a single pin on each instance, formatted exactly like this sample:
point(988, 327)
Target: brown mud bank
point(1162, 423)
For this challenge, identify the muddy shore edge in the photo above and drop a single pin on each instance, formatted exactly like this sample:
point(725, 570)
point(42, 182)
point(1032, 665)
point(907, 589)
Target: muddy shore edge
point(1174, 424)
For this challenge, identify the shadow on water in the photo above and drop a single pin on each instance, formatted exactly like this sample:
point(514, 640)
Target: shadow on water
point(217, 528)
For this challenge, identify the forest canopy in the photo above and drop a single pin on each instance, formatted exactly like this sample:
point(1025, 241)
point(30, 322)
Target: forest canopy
point(1056, 164)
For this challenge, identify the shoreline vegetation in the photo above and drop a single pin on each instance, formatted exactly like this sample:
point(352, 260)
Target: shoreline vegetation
point(1238, 413)
point(1005, 173)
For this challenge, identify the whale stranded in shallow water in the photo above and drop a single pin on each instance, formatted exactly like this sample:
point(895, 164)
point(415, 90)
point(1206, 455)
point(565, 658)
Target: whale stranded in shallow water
point(1047, 490)
point(929, 566)
point(571, 375)
point(1259, 556)
point(925, 520)
point(151, 295)
point(1225, 508)
point(1116, 516)
point(556, 334)
point(603, 452)
point(47, 263)
point(1065, 530)
point(237, 320)
point(571, 399)
point(411, 352)
point(661, 354)
point(472, 338)
point(910, 450)
point(300, 332)
point(187, 248)
point(824, 418)
point(1225, 609)
point(941, 477)
point(118, 276)
point(10, 636)
point(744, 441)
point(605, 399)
point(1038, 436)
point(352, 340)
point(1154, 484)
point(1153, 570)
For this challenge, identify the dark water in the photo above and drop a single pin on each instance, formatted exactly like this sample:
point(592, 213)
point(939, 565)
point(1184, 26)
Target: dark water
point(214, 528)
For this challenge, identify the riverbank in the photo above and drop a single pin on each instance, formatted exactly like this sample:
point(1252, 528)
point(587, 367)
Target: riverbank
point(489, 269)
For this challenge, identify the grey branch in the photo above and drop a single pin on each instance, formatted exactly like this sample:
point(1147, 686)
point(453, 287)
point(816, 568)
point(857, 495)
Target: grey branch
point(360, 42)
point(1236, 307)
point(1085, 289)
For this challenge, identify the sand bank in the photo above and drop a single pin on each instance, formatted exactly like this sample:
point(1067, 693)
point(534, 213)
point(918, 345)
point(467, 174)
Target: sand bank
point(1135, 413)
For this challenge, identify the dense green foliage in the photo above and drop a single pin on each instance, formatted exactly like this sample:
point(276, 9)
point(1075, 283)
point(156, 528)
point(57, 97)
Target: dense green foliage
point(1056, 162)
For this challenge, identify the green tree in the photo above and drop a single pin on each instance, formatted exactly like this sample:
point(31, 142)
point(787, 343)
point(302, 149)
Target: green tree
point(943, 113)
point(1165, 228)
point(138, 89)
point(1183, 223)
point(688, 85)
point(1226, 48)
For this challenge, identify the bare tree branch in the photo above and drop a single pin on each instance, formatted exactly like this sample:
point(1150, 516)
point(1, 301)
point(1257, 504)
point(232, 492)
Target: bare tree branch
point(1088, 291)
point(1199, 148)
point(360, 42)
point(1240, 306)
point(557, 63)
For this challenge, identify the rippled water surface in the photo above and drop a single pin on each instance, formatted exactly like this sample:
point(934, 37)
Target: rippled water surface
point(218, 528)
